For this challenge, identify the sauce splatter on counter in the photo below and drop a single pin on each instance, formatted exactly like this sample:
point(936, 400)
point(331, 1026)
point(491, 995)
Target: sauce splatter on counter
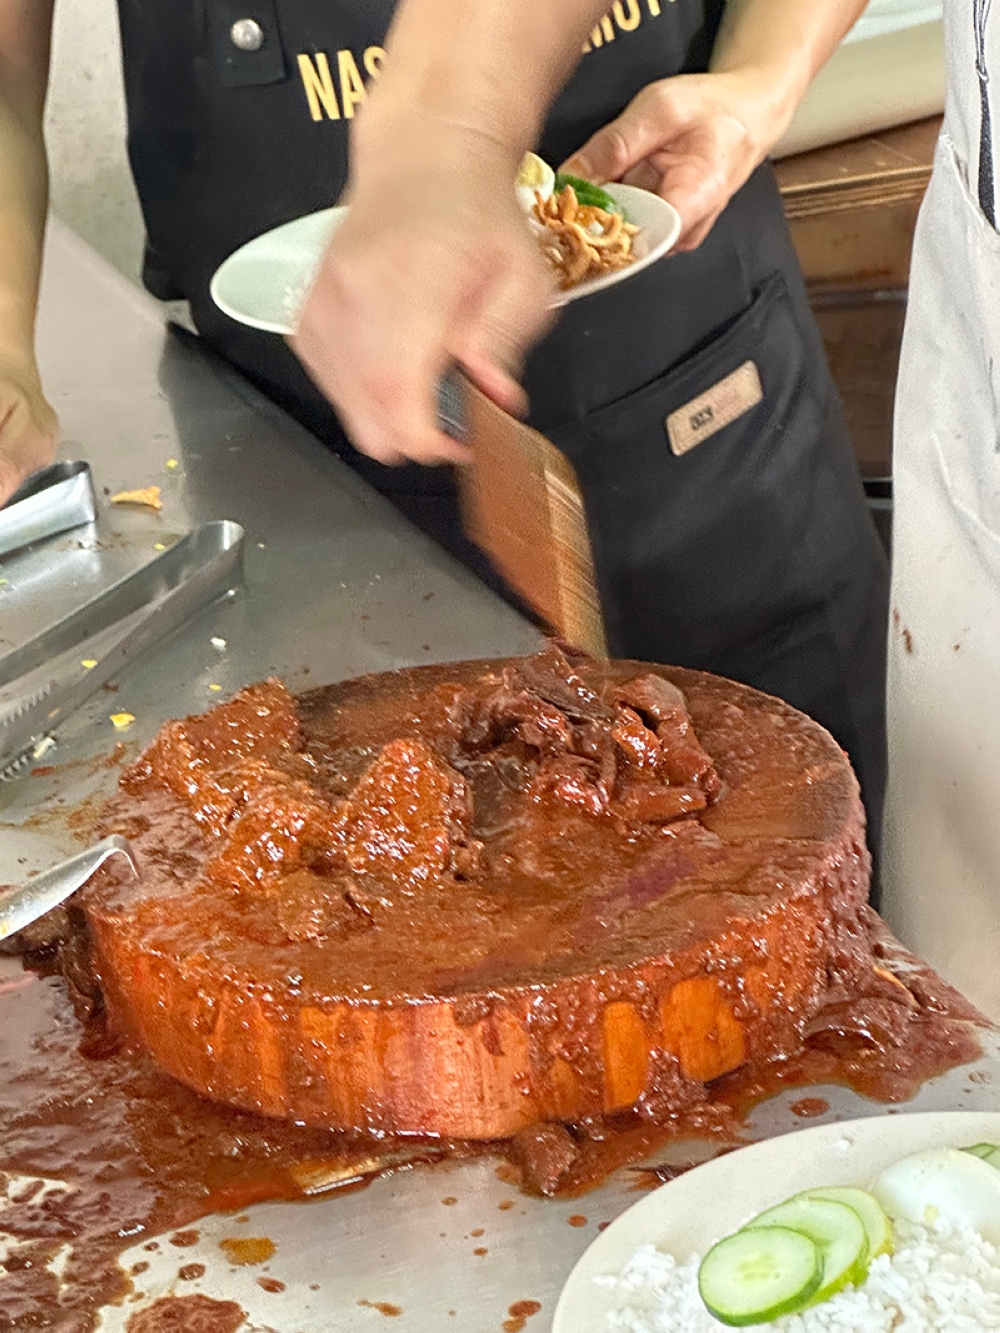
point(806, 1108)
point(187, 1314)
point(520, 1312)
point(383, 1307)
point(243, 1251)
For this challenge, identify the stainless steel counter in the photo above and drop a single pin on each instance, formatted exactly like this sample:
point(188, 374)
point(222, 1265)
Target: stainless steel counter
point(337, 584)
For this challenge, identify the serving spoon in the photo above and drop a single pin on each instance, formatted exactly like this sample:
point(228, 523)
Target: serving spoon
point(20, 907)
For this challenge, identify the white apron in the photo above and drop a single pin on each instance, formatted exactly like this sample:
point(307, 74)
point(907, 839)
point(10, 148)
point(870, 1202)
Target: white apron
point(942, 834)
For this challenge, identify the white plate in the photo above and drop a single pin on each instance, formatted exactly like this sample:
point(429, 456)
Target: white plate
point(686, 1216)
point(882, 16)
point(264, 283)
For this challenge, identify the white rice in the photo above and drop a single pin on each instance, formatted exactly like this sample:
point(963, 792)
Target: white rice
point(936, 1282)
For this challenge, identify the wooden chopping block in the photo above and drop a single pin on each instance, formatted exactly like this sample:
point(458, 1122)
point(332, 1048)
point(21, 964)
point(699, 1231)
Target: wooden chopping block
point(501, 1003)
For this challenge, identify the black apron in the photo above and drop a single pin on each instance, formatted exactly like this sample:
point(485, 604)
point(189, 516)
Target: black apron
point(729, 523)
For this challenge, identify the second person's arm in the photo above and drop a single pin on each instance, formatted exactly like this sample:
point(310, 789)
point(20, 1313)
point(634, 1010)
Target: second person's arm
point(27, 422)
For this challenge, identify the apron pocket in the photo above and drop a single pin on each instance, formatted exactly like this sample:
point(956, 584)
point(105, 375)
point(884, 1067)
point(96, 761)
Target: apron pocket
point(720, 497)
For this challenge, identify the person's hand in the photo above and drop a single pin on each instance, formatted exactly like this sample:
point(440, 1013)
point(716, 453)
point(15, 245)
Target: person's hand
point(434, 266)
point(27, 429)
point(693, 140)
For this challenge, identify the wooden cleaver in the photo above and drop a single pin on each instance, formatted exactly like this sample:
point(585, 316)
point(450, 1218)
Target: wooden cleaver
point(521, 504)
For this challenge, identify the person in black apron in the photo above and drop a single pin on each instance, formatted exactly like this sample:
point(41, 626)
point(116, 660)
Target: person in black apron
point(752, 554)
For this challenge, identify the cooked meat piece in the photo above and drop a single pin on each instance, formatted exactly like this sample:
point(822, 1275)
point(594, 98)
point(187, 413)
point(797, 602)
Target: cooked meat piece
point(510, 712)
point(586, 748)
point(658, 701)
point(408, 815)
point(539, 724)
point(640, 746)
point(595, 742)
point(592, 739)
point(282, 828)
point(467, 859)
point(550, 675)
point(77, 966)
point(247, 780)
point(223, 796)
point(458, 707)
point(498, 780)
point(173, 761)
point(258, 723)
point(654, 699)
point(875, 1023)
point(574, 780)
point(888, 985)
point(648, 803)
point(545, 1153)
point(315, 907)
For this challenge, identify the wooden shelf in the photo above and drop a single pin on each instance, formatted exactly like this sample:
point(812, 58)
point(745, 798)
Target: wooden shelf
point(852, 207)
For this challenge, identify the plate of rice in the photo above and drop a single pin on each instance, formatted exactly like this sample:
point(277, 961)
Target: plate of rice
point(641, 1275)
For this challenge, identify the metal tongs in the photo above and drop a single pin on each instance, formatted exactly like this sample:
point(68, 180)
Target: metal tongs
point(199, 568)
point(54, 500)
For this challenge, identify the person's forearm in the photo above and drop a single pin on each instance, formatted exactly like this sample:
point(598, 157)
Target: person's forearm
point(489, 66)
point(786, 41)
point(24, 54)
point(23, 202)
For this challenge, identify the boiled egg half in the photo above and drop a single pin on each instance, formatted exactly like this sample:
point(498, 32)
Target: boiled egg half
point(943, 1187)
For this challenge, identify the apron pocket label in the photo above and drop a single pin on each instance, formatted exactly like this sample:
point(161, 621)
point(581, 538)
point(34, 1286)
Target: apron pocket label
point(721, 405)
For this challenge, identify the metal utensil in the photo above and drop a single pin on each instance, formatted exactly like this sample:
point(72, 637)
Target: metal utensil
point(51, 501)
point(20, 907)
point(171, 588)
point(452, 414)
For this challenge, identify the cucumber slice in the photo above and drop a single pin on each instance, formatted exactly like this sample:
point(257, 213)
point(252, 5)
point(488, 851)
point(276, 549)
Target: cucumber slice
point(983, 1150)
point(835, 1228)
point(868, 1208)
point(752, 1277)
point(986, 1152)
